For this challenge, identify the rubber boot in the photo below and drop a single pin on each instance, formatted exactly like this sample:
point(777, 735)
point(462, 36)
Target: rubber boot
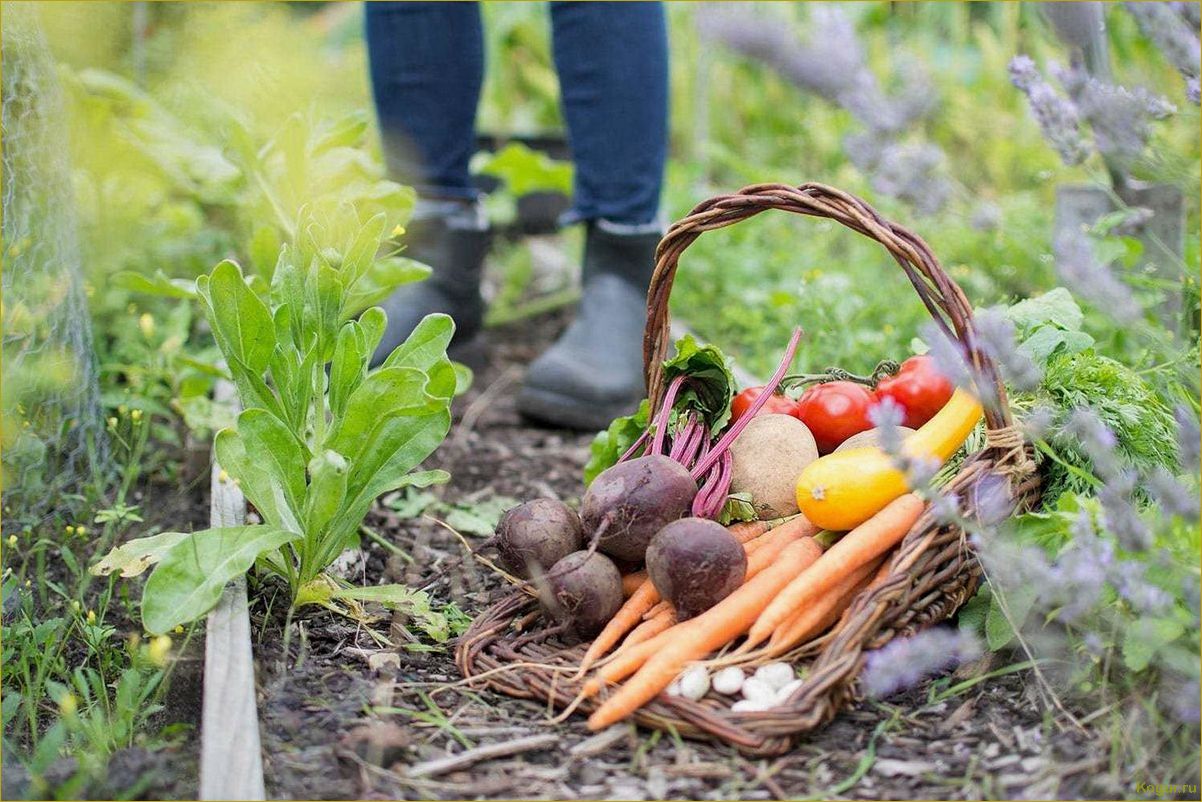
point(594, 371)
point(453, 240)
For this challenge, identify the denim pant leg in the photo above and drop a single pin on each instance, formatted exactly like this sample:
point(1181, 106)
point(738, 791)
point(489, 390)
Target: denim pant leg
point(612, 60)
point(427, 66)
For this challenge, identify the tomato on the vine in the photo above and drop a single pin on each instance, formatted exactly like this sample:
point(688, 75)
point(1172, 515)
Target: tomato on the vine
point(834, 411)
point(918, 388)
point(776, 404)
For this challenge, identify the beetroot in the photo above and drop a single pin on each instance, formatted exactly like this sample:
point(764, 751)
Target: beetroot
point(584, 591)
point(631, 501)
point(695, 563)
point(538, 534)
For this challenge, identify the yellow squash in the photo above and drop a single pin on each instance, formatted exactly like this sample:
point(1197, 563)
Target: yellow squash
point(844, 489)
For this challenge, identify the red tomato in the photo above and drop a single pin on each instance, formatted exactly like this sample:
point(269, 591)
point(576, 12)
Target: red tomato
point(834, 411)
point(918, 388)
point(777, 403)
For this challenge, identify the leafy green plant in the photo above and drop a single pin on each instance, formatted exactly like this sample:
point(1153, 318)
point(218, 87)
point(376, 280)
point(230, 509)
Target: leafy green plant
point(321, 434)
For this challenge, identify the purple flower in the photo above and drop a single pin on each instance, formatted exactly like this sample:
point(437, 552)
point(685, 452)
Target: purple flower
point(1173, 34)
point(1120, 117)
point(1057, 116)
point(1174, 498)
point(1189, 438)
point(887, 415)
point(1038, 422)
point(1132, 584)
point(945, 507)
point(1095, 439)
point(991, 499)
point(1119, 514)
point(1079, 268)
point(904, 662)
point(948, 355)
point(1183, 701)
point(1079, 574)
point(997, 338)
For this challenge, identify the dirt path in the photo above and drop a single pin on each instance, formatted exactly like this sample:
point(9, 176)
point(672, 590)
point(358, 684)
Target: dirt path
point(349, 719)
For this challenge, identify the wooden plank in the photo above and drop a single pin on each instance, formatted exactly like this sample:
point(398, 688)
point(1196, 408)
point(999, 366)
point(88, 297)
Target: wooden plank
point(231, 761)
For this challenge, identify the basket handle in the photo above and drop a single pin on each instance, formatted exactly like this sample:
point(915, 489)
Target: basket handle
point(941, 295)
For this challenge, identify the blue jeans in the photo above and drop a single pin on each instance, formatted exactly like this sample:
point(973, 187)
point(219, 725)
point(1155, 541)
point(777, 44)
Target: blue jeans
point(427, 65)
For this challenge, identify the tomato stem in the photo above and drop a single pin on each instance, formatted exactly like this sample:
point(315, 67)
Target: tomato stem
point(884, 368)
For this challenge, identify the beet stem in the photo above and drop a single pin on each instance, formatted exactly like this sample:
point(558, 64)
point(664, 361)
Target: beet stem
point(737, 427)
point(630, 452)
point(665, 414)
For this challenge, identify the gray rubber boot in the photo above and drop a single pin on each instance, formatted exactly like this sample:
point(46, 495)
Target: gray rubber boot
point(453, 243)
point(594, 371)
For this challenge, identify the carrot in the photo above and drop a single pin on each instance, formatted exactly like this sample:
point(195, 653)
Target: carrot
point(627, 617)
point(663, 604)
point(650, 627)
point(714, 628)
point(632, 582)
point(821, 614)
point(861, 545)
point(642, 600)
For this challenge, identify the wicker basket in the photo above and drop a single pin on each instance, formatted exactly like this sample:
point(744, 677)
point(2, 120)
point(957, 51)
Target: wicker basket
point(931, 574)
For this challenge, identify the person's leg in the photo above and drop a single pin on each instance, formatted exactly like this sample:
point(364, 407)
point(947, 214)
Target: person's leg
point(427, 66)
point(612, 60)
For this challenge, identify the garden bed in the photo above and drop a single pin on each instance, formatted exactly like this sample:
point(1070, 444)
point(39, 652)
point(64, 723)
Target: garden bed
point(344, 719)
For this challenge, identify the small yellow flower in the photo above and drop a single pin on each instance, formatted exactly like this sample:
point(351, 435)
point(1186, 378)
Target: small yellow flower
point(81, 530)
point(69, 529)
point(122, 410)
point(67, 705)
point(76, 606)
point(131, 308)
point(887, 328)
point(179, 629)
point(397, 230)
point(112, 423)
point(28, 583)
point(146, 324)
point(223, 477)
point(12, 540)
point(91, 616)
point(158, 650)
point(136, 415)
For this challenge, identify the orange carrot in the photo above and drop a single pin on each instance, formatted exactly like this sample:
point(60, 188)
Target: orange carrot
point(816, 617)
point(642, 600)
point(632, 582)
point(862, 545)
point(664, 604)
point(627, 617)
point(714, 628)
point(650, 627)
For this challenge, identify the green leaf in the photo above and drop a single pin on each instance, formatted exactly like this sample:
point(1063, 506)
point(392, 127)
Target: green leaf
point(971, 617)
point(385, 393)
point(188, 581)
point(348, 367)
point(241, 322)
point(158, 284)
point(1019, 601)
point(426, 344)
point(609, 445)
point(463, 378)
point(711, 385)
point(1055, 307)
point(136, 556)
point(268, 463)
point(372, 322)
point(1145, 637)
point(525, 170)
point(361, 254)
point(327, 490)
point(1047, 340)
point(382, 277)
point(479, 517)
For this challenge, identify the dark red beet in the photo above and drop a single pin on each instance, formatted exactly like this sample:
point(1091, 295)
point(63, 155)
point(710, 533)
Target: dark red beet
point(695, 563)
point(538, 533)
point(586, 591)
point(633, 500)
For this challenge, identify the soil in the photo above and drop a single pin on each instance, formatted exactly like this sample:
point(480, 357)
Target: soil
point(346, 717)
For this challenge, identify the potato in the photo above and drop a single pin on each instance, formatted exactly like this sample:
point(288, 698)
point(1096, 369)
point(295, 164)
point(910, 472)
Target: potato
point(871, 437)
point(767, 457)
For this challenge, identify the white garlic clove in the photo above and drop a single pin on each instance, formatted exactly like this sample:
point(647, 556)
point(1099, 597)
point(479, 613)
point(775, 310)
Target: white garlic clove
point(674, 687)
point(776, 675)
point(756, 690)
point(748, 706)
point(782, 695)
point(729, 680)
point(694, 683)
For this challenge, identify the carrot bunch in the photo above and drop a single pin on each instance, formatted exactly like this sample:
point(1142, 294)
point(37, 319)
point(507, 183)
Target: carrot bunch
point(793, 591)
